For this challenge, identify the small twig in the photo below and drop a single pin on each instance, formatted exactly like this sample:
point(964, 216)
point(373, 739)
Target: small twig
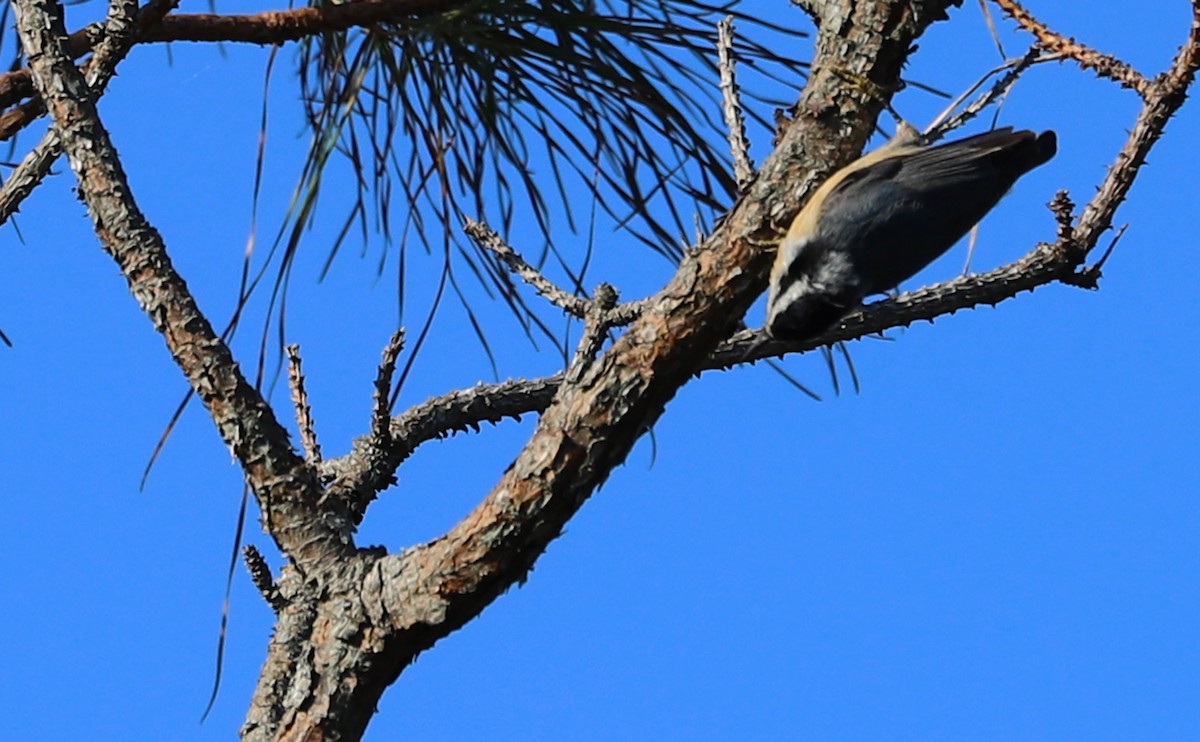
point(1089, 277)
point(304, 418)
point(576, 306)
point(1109, 251)
point(372, 455)
point(945, 123)
point(1104, 65)
point(381, 412)
point(260, 575)
point(487, 239)
point(735, 121)
point(595, 327)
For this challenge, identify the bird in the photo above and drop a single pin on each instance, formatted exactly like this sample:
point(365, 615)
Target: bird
point(884, 217)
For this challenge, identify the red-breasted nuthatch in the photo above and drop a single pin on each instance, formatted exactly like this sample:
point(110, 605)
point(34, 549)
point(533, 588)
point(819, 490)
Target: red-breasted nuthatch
point(882, 218)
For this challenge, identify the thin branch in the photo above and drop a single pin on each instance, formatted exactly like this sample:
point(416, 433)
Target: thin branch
point(595, 328)
point(487, 239)
point(304, 418)
point(1162, 99)
point(1089, 277)
point(1104, 65)
point(946, 123)
point(576, 306)
point(368, 469)
point(380, 415)
point(285, 488)
point(735, 121)
point(118, 40)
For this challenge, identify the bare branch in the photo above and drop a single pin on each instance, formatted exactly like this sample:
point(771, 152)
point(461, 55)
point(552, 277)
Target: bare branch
point(285, 488)
point(613, 316)
point(596, 326)
point(304, 418)
point(369, 469)
point(1104, 65)
point(946, 123)
point(739, 145)
point(380, 416)
point(487, 239)
point(1089, 277)
point(1163, 98)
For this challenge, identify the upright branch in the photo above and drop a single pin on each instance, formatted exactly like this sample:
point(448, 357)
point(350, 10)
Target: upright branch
point(304, 418)
point(380, 416)
point(731, 106)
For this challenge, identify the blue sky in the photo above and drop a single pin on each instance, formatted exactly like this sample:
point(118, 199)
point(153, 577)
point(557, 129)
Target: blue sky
point(994, 540)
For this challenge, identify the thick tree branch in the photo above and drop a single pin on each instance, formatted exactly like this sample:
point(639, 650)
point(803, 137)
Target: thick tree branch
point(285, 487)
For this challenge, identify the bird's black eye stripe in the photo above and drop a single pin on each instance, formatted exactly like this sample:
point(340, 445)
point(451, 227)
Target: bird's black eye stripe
point(805, 264)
